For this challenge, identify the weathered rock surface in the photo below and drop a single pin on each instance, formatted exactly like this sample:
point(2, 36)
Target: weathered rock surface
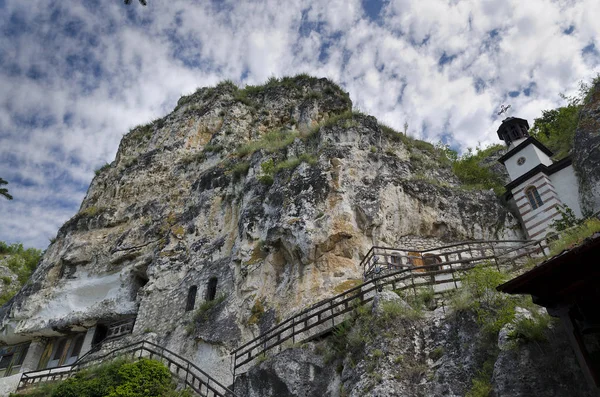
point(294, 372)
point(437, 355)
point(277, 192)
point(586, 152)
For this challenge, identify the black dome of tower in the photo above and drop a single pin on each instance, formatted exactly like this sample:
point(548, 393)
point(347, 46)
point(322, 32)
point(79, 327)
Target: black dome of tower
point(512, 129)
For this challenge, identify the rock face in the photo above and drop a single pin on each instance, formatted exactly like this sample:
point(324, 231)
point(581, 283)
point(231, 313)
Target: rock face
point(294, 372)
point(275, 193)
point(586, 152)
point(437, 355)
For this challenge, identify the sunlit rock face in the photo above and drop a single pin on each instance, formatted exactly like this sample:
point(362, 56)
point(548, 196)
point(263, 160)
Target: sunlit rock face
point(586, 152)
point(182, 204)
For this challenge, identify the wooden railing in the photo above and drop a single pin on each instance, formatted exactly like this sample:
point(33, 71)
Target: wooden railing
point(384, 259)
point(444, 273)
point(188, 373)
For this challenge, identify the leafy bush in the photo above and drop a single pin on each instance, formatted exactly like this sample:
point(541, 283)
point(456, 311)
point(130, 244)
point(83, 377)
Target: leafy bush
point(556, 128)
point(120, 378)
point(478, 294)
point(471, 173)
point(531, 329)
point(20, 261)
point(567, 219)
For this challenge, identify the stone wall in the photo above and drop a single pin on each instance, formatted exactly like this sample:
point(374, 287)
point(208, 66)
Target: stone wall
point(419, 243)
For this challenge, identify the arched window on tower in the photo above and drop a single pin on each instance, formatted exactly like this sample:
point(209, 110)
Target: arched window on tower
point(211, 289)
point(191, 298)
point(534, 197)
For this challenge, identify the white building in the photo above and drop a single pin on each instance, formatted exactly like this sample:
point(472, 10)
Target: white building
point(538, 184)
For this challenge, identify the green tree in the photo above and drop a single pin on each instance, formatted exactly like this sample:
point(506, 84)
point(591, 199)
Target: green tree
point(22, 262)
point(556, 128)
point(142, 2)
point(3, 190)
point(471, 172)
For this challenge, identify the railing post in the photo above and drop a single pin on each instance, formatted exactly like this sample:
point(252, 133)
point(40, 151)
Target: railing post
point(233, 382)
point(332, 314)
point(453, 279)
point(542, 249)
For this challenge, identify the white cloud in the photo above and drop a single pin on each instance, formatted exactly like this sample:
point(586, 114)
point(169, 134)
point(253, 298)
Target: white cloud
point(107, 68)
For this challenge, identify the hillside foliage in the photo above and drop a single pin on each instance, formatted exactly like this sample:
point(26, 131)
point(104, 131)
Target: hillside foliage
point(142, 378)
point(556, 128)
point(471, 172)
point(22, 262)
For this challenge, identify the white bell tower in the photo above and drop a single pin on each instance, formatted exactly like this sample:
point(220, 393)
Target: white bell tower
point(538, 184)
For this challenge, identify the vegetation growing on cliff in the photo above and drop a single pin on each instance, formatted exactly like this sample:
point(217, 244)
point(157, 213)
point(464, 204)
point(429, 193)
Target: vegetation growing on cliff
point(556, 128)
point(494, 310)
point(22, 262)
point(469, 167)
point(120, 378)
point(472, 173)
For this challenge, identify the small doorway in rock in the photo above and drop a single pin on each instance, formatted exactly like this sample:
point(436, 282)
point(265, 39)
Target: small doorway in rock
point(191, 298)
point(211, 289)
point(100, 334)
point(431, 260)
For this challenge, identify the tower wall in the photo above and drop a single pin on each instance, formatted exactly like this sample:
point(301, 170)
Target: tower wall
point(537, 221)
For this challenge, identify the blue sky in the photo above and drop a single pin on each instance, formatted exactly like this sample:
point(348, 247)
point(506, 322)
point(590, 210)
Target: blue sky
point(76, 76)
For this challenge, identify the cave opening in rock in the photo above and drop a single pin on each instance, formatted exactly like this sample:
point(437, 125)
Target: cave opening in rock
point(211, 289)
point(191, 298)
point(140, 279)
point(431, 260)
point(100, 334)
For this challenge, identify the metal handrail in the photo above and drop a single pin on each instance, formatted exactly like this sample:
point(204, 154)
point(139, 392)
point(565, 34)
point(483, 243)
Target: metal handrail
point(212, 387)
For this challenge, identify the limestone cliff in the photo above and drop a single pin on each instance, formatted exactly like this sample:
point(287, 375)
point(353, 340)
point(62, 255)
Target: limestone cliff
point(438, 353)
point(276, 192)
point(586, 152)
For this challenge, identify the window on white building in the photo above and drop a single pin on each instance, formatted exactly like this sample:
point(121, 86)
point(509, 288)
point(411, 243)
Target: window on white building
point(534, 197)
